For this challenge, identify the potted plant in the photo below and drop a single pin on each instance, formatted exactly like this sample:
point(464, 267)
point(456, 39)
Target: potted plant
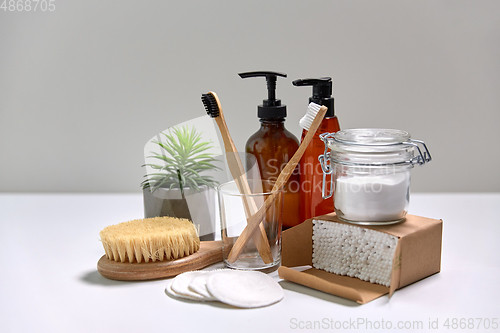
point(180, 179)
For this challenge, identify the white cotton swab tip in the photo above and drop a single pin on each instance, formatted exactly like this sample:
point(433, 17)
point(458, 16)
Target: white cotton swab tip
point(306, 121)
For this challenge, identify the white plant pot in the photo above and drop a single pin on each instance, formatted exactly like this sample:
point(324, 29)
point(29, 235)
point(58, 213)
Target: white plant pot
point(198, 206)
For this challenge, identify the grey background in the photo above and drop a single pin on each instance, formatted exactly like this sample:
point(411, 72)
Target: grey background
point(84, 87)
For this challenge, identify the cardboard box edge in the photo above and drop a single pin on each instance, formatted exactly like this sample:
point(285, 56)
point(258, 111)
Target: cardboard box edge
point(287, 272)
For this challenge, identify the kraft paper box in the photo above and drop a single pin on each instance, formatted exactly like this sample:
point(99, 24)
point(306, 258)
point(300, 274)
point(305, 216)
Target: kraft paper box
point(417, 256)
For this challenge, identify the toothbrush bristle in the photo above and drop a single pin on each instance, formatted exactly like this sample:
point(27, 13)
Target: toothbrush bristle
point(308, 119)
point(210, 105)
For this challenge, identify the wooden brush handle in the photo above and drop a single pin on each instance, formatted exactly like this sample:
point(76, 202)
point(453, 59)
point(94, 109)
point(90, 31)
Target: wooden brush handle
point(238, 172)
point(256, 219)
point(210, 252)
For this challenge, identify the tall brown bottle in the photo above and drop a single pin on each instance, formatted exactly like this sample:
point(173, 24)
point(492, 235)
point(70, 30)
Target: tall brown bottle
point(311, 176)
point(270, 148)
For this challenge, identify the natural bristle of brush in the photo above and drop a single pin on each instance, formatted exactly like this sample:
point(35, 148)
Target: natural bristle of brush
point(210, 105)
point(306, 121)
point(157, 238)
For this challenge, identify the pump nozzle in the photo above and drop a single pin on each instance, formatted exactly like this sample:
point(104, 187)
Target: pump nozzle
point(271, 107)
point(322, 92)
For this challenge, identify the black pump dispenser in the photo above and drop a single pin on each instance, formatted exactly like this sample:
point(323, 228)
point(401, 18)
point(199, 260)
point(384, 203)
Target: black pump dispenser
point(322, 92)
point(271, 107)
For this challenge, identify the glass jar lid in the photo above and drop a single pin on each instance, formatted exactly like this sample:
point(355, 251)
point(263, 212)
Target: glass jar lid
point(374, 146)
point(371, 136)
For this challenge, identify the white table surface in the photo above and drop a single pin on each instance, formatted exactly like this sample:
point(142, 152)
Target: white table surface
point(49, 281)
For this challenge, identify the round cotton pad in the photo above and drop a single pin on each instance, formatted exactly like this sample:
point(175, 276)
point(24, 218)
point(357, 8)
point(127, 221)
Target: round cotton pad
point(169, 291)
point(199, 284)
point(244, 289)
point(180, 285)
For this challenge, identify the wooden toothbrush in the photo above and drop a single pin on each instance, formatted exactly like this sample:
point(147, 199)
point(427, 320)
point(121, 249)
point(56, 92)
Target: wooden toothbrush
point(214, 110)
point(255, 220)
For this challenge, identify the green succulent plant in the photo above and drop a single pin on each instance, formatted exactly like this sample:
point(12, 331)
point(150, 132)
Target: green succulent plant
point(187, 161)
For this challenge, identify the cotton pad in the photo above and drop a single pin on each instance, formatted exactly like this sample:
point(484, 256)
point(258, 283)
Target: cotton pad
point(180, 286)
point(199, 284)
point(169, 291)
point(244, 289)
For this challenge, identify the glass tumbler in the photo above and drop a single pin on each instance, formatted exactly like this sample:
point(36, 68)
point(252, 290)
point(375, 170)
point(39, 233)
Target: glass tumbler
point(236, 208)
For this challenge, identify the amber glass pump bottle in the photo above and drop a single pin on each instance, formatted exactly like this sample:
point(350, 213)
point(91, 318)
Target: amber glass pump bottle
point(270, 148)
point(311, 175)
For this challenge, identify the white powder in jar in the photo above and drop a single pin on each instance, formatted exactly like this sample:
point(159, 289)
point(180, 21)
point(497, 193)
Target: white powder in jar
point(373, 198)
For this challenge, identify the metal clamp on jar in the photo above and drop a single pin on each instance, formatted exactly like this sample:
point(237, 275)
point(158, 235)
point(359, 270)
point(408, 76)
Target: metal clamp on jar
point(370, 173)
